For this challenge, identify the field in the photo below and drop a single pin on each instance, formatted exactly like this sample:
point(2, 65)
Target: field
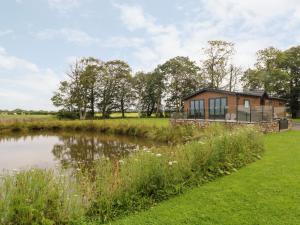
point(266, 192)
point(296, 120)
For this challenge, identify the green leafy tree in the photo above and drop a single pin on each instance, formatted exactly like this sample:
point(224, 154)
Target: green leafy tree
point(217, 59)
point(182, 77)
point(112, 91)
point(77, 94)
point(290, 63)
point(267, 73)
point(148, 90)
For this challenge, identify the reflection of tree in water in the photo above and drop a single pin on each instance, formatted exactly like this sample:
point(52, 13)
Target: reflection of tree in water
point(80, 151)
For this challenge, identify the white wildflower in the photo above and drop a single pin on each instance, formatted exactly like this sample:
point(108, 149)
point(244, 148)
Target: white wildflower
point(170, 163)
point(158, 155)
point(121, 161)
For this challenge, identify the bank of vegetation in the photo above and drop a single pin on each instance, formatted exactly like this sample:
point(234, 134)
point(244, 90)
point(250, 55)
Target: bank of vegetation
point(117, 188)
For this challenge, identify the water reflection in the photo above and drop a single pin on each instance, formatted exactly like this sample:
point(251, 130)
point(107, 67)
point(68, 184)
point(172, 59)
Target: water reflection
point(82, 150)
point(69, 150)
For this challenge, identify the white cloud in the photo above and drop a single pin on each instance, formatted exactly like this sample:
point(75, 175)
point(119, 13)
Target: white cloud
point(164, 40)
point(24, 84)
point(68, 34)
point(251, 25)
point(83, 39)
point(5, 32)
point(64, 6)
point(8, 62)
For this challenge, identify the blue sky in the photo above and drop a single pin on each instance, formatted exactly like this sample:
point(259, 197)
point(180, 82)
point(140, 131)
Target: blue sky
point(39, 39)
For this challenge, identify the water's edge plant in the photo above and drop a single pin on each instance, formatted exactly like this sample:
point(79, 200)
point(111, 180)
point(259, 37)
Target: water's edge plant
point(118, 188)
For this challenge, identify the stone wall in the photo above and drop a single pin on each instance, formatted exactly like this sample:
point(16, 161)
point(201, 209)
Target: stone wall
point(265, 127)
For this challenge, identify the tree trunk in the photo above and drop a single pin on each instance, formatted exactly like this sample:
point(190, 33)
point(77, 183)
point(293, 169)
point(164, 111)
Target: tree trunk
point(122, 108)
point(93, 104)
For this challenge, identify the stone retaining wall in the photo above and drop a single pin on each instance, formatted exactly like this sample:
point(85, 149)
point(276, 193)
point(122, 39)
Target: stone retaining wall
point(265, 127)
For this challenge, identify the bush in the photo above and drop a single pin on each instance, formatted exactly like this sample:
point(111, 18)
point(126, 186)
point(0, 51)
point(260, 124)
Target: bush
point(67, 115)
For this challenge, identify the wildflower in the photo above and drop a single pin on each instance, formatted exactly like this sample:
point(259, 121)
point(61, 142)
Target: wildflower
point(170, 163)
point(201, 142)
point(78, 169)
point(121, 161)
point(158, 155)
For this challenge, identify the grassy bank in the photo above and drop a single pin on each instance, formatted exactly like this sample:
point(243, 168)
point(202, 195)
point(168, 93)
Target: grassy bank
point(118, 188)
point(152, 128)
point(266, 192)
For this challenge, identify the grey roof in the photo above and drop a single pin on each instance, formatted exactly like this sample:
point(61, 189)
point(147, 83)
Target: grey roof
point(255, 93)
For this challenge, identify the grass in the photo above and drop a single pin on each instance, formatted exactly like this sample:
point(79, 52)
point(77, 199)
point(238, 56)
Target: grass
point(135, 183)
point(266, 192)
point(296, 120)
point(151, 128)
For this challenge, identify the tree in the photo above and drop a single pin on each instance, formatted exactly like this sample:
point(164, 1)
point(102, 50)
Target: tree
point(215, 66)
point(124, 92)
point(267, 73)
point(62, 97)
point(112, 91)
point(290, 63)
point(182, 78)
point(149, 89)
point(77, 94)
point(235, 73)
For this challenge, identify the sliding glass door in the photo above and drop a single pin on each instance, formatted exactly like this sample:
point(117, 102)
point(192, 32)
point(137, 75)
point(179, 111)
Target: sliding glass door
point(197, 109)
point(217, 108)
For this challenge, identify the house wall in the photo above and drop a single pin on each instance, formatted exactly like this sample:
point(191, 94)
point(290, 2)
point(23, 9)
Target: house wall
point(233, 101)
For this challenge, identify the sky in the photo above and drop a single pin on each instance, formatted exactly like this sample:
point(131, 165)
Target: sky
point(40, 38)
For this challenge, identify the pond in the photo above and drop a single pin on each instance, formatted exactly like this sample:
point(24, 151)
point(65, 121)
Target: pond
point(66, 150)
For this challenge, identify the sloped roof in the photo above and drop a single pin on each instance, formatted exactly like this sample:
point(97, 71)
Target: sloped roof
point(255, 93)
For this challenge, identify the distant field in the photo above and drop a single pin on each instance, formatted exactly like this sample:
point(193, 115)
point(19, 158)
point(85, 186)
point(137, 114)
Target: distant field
point(296, 120)
point(26, 116)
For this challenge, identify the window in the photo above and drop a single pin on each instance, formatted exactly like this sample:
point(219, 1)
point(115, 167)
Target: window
point(247, 104)
point(217, 108)
point(197, 108)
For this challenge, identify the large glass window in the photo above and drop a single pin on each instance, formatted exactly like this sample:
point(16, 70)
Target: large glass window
point(217, 108)
point(197, 108)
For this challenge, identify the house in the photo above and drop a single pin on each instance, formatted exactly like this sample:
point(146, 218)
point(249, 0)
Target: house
point(219, 104)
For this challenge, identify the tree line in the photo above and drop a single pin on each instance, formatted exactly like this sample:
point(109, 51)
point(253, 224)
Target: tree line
point(94, 85)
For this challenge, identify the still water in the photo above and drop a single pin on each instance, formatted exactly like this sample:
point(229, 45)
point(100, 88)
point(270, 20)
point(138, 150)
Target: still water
point(67, 150)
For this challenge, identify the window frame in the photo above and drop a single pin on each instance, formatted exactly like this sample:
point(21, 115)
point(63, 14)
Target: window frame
point(221, 109)
point(197, 111)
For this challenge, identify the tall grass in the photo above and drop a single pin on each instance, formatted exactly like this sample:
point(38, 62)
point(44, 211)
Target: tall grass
point(39, 197)
point(156, 129)
point(117, 188)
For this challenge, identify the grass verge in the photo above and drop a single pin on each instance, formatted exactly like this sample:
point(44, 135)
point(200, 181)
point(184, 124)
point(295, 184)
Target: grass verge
point(266, 192)
point(152, 128)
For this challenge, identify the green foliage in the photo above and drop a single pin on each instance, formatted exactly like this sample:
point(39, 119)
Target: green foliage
point(39, 197)
point(154, 175)
point(182, 78)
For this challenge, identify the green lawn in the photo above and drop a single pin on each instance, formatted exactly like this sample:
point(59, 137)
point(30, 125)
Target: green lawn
point(265, 192)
